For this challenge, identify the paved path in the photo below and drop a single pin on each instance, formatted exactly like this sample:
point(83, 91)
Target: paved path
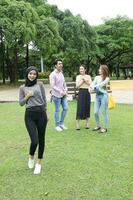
point(12, 94)
point(121, 94)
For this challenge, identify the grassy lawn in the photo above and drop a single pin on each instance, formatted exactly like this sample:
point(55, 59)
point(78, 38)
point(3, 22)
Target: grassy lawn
point(78, 165)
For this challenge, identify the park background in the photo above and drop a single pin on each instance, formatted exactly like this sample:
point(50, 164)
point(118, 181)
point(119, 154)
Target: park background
point(77, 166)
point(35, 33)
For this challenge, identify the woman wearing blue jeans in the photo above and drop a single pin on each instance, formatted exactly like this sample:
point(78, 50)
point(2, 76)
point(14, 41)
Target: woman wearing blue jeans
point(99, 85)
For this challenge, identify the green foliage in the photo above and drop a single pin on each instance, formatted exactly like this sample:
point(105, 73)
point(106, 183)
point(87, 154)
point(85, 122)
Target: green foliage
point(17, 21)
point(79, 40)
point(18, 26)
point(48, 38)
point(43, 75)
point(115, 38)
point(57, 34)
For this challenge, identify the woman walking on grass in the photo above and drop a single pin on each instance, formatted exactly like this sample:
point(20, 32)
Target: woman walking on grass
point(99, 85)
point(83, 82)
point(32, 95)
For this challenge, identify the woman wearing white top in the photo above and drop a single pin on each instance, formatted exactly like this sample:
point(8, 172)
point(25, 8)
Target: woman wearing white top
point(83, 82)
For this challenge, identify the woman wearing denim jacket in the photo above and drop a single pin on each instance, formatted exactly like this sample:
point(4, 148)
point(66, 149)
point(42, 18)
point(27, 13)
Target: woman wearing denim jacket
point(99, 85)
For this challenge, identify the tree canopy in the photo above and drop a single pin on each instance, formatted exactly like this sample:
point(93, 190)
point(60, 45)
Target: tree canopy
point(54, 33)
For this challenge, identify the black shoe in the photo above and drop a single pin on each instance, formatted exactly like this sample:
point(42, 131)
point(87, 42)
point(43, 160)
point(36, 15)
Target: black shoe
point(87, 127)
point(77, 129)
point(96, 128)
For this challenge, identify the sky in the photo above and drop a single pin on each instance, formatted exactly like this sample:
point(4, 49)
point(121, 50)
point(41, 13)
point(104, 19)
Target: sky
point(94, 11)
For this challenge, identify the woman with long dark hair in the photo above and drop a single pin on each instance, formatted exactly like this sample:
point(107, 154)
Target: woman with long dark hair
point(32, 95)
point(83, 82)
point(100, 86)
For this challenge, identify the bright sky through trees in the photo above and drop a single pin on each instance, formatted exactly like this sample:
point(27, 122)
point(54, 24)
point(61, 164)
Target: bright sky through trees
point(95, 10)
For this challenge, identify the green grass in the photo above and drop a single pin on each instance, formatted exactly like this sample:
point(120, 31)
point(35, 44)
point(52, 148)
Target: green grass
point(78, 165)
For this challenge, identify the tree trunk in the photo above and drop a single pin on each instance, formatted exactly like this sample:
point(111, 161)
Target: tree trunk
point(89, 59)
point(8, 63)
point(117, 68)
point(2, 56)
point(3, 71)
point(42, 66)
point(27, 55)
point(12, 66)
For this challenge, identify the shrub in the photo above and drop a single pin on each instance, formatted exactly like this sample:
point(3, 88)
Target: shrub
point(43, 75)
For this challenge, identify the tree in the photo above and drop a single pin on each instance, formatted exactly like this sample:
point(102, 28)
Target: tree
point(79, 39)
point(2, 53)
point(115, 39)
point(17, 21)
point(48, 39)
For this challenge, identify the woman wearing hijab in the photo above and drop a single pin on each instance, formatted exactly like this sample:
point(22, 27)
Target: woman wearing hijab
point(32, 95)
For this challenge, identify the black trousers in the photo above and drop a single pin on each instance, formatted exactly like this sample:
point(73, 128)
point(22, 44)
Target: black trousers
point(36, 123)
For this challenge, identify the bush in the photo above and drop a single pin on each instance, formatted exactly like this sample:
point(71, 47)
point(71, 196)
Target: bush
point(43, 75)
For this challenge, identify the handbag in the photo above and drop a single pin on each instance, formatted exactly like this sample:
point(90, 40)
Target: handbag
point(111, 102)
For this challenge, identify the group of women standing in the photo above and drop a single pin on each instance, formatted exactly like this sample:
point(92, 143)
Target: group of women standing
point(32, 95)
point(86, 86)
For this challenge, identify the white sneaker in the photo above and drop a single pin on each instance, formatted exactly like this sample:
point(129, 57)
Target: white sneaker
point(63, 127)
point(31, 163)
point(37, 169)
point(58, 128)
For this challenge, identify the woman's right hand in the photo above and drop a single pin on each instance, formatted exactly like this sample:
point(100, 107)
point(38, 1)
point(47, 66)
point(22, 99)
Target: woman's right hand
point(29, 94)
point(63, 93)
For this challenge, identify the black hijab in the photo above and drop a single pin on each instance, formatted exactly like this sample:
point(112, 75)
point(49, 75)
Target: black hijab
point(29, 83)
